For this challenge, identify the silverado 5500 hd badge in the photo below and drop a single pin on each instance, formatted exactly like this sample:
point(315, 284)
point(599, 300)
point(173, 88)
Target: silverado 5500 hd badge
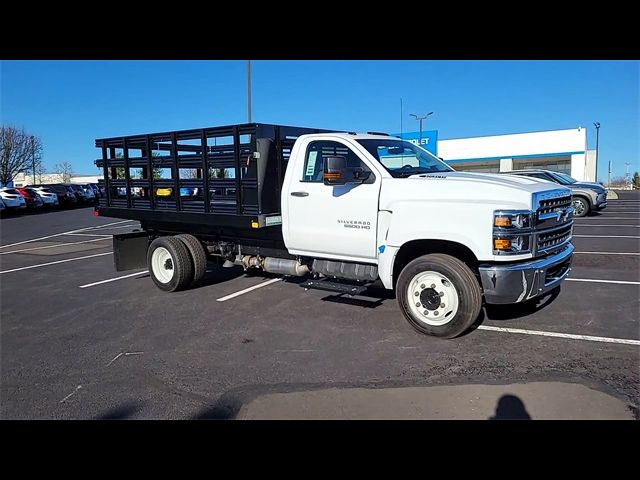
point(355, 224)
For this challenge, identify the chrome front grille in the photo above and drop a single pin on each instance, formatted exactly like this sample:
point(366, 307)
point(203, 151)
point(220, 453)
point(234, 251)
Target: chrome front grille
point(553, 225)
point(555, 238)
point(553, 205)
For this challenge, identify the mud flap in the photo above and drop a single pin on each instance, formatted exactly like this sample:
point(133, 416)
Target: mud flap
point(130, 250)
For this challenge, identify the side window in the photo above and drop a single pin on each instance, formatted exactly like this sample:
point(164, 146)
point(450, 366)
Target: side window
point(538, 175)
point(314, 159)
point(544, 176)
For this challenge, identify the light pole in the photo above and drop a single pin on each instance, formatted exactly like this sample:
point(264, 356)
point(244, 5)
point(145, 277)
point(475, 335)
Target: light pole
point(597, 125)
point(33, 159)
point(420, 118)
point(249, 88)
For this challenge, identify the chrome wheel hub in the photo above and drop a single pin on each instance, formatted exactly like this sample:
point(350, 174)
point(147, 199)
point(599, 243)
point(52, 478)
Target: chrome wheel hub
point(432, 298)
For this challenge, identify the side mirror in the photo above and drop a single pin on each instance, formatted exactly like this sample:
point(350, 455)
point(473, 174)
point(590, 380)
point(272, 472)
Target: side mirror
point(335, 170)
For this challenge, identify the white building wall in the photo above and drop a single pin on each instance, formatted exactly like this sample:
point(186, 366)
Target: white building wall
point(506, 164)
point(519, 144)
point(22, 179)
point(590, 167)
point(578, 170)
point(85, 179)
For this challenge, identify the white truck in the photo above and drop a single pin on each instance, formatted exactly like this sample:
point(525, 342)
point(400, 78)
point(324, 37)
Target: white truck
point(347, 210)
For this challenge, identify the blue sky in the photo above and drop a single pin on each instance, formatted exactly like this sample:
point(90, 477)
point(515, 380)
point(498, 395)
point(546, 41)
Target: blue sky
point(70, 103)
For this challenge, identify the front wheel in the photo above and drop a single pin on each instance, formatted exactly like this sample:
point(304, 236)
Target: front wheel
point(580, 207)
point(439, 295)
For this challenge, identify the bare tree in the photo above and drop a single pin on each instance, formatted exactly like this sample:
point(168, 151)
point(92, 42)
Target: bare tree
point(618, 182)
point(18, 150)
point(40, 171)
point(66, 170)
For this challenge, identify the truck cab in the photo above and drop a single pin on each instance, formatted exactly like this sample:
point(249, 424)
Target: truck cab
point(356, 209)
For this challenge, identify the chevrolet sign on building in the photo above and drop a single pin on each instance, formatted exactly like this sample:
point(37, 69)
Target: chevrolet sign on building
point(428, 140)
point(559, 150)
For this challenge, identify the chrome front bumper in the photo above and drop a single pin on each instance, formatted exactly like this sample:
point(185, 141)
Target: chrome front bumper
point(517, 282)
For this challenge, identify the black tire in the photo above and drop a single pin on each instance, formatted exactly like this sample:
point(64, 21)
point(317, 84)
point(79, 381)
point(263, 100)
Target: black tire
point(181, 264)
point(198, 255)
point(467, 288)
point(581, 206)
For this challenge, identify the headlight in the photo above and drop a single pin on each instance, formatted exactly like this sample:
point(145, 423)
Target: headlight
point(511, 232)
point(512, 219)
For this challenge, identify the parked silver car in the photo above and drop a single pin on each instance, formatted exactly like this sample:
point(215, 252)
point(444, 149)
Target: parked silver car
point(587, 197)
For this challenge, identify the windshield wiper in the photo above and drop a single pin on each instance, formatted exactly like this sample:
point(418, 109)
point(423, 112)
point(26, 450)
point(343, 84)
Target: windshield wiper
point(416, 171)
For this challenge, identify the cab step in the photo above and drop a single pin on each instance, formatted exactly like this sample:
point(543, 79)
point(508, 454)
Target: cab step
point(334, 287)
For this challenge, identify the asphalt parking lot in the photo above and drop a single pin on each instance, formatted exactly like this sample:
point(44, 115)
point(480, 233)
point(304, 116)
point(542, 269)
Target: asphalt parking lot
point(76, 345)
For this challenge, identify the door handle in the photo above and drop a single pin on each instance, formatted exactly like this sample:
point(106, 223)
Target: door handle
point(299, 194)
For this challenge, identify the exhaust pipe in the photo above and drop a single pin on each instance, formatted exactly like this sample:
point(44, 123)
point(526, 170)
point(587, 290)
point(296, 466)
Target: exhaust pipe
point(284, 266)
point(281, 266)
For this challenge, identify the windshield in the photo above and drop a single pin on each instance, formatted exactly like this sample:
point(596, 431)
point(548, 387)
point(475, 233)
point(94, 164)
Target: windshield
point(563, 178)
point(402, 158)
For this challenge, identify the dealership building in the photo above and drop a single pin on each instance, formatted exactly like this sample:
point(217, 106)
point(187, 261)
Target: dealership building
point(558, 150)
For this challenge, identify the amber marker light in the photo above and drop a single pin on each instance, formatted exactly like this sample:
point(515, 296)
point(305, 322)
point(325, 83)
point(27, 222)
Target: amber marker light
point(502, 244)
point(502, 221)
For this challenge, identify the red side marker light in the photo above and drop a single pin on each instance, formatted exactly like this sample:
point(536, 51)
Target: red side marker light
point(96, 213)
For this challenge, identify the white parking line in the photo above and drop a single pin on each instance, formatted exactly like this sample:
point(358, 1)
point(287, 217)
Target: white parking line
point(560, 335)
point(52, 246)
point(593, 280)
point(607, 236)
point(88, 235)
point(53, 263)
point(609, 253)
point(113, 228)
point(63, 233)
point(606, 218)
point(247, 290)
point(605, 225)
point(112, 279)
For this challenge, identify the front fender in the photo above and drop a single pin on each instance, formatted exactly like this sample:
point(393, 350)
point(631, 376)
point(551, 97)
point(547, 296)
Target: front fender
point(461, 222)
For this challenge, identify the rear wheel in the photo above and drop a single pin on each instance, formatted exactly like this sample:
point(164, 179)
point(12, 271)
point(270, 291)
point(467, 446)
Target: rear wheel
point(198, 255)
point(580, 207)
point(439, 295)
point(169, 264)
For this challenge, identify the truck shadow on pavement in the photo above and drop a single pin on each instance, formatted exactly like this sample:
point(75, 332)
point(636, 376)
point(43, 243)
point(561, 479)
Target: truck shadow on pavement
point(121, 412)
point(518, 310)
point(377, 295)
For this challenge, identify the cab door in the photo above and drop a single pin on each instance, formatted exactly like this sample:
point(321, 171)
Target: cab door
point(331, 221)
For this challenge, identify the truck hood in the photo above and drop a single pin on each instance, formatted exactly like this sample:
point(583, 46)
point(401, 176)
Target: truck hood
point(516, 181)
point(497, 191)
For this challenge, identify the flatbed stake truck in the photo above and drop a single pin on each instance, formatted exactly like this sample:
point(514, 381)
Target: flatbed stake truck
point(347, 210)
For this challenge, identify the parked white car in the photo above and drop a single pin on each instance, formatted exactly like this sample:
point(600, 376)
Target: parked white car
point(12, 199)
point(48, 196)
